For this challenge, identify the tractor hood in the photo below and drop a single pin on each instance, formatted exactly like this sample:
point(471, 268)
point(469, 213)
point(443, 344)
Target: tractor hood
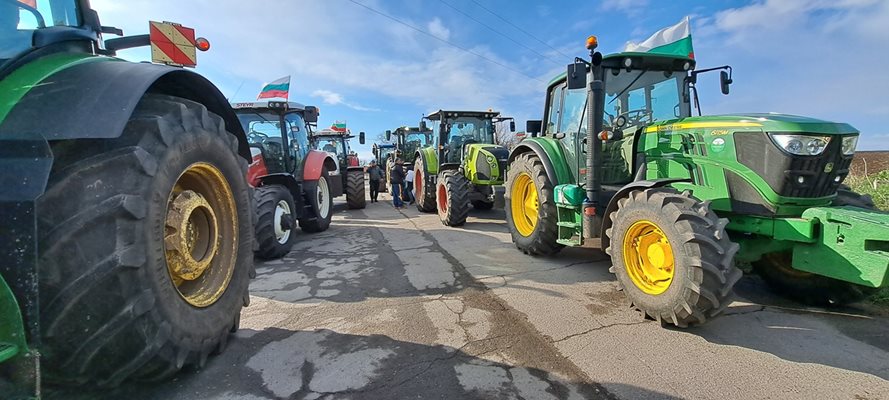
point(768, 122)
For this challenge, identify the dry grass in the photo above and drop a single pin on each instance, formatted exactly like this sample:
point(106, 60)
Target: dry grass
point(870, 175)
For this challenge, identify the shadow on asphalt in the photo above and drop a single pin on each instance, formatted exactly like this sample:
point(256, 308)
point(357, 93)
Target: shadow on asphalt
point(283, 364)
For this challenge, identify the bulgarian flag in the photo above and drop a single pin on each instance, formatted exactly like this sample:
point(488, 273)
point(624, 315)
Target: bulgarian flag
point(338, 127)
point(674, 40)
point(279, 88)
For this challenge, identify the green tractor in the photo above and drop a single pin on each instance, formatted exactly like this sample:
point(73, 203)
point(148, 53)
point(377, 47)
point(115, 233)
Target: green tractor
point(349, 179)
point(676, 200)
point(409, 141)
point(383, 153)
point(127, 229)
point(462, 165)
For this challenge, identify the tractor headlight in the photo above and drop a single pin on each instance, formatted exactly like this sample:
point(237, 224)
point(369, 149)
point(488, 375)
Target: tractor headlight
point(849, 144)
point(801, 145)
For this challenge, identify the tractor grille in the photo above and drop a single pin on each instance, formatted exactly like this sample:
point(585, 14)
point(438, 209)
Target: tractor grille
point(782, 171)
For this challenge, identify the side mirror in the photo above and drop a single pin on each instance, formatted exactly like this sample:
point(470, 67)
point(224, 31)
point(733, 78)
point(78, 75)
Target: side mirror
point(361, 137)
point(724, 81)
point(533, 126)
point(576, 76)
point(512, 126)
point(423, 127)
point(311, 114)
point(388, 135)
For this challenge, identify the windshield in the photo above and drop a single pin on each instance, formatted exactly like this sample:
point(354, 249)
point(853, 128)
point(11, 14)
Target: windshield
point(19, 19)
point(261, 127)
point(643, 97)
point(384, 154)
point(332, 144)
point(416, 140)
point(463, 129)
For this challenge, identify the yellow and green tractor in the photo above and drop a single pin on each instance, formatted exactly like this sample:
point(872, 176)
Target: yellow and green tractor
point(620, 163)
point(462, 165)
point(126, 235)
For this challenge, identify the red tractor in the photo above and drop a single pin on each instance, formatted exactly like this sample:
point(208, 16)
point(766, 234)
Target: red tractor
point(351, 179)
point(294, 184)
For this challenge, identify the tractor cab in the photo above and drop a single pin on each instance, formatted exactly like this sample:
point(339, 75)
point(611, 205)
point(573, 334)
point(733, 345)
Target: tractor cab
point(383, 152)
point(409, 140)
point(641, 89)
point(278, 133)
point(337, 143)
point(453, 131)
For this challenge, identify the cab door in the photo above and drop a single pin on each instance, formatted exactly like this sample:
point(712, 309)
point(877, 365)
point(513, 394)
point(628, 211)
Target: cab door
point(298, 141)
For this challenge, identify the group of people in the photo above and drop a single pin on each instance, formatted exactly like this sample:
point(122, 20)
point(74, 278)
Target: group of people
point(401, 183)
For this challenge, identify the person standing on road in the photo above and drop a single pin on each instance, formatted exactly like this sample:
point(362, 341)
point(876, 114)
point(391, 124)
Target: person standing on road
point(374, 175)
point(409, 186)
point(396, 180)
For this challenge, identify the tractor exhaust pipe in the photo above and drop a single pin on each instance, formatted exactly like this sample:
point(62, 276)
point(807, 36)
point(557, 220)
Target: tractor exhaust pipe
point(595, 113)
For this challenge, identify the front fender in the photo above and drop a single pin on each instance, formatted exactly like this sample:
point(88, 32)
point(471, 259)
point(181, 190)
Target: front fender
point(68, 97)
point(430, 160)
point(624, 192)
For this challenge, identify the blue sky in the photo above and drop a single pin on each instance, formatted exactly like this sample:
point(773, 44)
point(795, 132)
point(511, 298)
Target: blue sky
point(820, 58)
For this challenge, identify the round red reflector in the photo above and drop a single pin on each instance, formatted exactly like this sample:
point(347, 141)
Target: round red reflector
point(202, 44)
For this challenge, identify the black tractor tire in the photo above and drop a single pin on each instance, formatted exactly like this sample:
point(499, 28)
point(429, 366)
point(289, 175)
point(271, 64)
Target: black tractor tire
point(542, 240)
point(269, 199)
point(425, 197)
point(703, 268)
point(319, 221)
point(807, 288)
point(110, 310)
point(355, 197)
point(482, 205)
point(452, 197)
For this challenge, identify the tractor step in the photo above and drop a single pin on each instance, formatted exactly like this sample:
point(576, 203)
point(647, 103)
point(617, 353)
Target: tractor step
point(8, 351)
point(573, 225)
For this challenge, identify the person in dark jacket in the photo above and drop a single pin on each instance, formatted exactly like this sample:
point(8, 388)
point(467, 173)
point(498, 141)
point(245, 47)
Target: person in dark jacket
point(374, 175)
point(396, 181)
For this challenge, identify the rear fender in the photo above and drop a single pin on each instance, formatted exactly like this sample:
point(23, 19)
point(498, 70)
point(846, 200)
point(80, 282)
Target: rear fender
point(315, 161)
point(105, 92)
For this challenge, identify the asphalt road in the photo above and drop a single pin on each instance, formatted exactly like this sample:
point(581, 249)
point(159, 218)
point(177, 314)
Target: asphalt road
point(391, 304)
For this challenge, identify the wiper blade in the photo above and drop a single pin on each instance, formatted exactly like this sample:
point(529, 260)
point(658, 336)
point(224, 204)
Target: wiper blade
point(628, 86)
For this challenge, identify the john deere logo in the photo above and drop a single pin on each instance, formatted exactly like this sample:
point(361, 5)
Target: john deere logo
point(828, 168)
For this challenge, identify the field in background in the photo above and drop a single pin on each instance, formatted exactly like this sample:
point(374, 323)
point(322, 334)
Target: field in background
point(869, 174)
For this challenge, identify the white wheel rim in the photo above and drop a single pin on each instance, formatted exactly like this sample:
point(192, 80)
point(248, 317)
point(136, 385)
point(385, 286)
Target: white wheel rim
point(282, 209)
point(323, 193)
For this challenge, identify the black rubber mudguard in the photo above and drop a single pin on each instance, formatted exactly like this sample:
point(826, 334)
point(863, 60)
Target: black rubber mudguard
point(94, 100)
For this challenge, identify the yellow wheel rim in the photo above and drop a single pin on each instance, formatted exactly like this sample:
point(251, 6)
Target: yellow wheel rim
point(524, 204)
point(648, 257)
point(201, 235)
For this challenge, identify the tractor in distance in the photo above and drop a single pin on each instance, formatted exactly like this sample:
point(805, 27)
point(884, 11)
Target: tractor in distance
point(293, 182)
point(127, 239)
point(383, 152)
point(350, 179)
point(676, 200)
point(462, 165)
point(408, 141)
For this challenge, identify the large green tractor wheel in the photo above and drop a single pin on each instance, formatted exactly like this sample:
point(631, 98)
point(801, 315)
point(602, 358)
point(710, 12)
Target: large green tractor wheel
point(452, 197)
point(531, 212)
point(672, 256)
point(355, 197)
point(275, 221)
point(422, 191)
point(318, 196)
point(808, 288)
point(145, 247)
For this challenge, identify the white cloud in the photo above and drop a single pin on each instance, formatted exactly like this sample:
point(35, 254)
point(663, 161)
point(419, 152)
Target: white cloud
point(632, 7)
point(810, 57)
point(334, 98)
point(437, 28)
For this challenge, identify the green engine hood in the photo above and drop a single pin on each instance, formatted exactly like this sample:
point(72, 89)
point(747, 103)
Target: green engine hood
point(770, 122)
